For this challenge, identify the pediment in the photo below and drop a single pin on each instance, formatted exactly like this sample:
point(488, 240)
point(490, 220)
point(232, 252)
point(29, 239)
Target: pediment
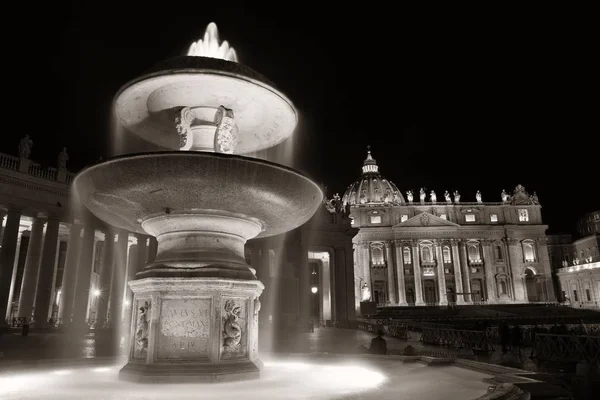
point(424, 220)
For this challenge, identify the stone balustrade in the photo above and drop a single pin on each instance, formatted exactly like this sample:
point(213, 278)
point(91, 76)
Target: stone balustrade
point(35, 169)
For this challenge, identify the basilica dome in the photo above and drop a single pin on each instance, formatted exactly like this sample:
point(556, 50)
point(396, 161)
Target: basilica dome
point(372, 187)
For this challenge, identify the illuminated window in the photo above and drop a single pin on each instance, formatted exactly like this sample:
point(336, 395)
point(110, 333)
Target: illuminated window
point(427, 254)
point(493, 217)
point(443, 216)
point(377, 254)
point(446, 255)
point(523, 215)
point(403, 218)
point(351, 220)
point(473, 252)
point(406, 255)
point(528, 251)
point(470, 217)
point(375, 219)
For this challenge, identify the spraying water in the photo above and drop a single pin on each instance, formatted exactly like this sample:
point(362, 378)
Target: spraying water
point(209, 46)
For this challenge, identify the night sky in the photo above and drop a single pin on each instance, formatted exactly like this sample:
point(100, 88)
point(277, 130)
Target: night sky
point(444, 104)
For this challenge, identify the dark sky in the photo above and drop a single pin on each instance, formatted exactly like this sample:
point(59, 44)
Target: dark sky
point(466, 102)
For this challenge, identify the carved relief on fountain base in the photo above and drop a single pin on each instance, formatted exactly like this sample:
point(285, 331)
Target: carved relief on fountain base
point(193, 330)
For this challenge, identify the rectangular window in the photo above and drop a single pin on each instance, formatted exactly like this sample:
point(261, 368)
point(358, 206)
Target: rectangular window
point(575, 298)
point(470, 217)
point(588, 295)
point(403, 218)
point(375, 219)
point(443, 216)
point(493, 217)
point(351, 220)
point(523, 215)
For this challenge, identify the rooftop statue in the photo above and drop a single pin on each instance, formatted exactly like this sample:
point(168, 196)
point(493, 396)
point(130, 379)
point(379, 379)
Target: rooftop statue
point(521, 197)
point(478, 196)
point(456, 196)
point(409, 196)
point(25, 146)
point(422, 195)
point(447, 197)
point(63, 157)
point(505, 196)
point(433, 197)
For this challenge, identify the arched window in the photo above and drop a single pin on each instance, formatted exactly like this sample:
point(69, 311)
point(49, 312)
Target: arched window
point(473, 252)
point(406, 255)
point(528, 251)
point(377, 254)
point(446, 255)
point(498, 252)
point(426, 254)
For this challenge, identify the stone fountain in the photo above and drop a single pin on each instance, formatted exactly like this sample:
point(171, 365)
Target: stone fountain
point(196, 305)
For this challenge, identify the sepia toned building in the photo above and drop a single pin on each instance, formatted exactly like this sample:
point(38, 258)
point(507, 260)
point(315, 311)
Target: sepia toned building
point(575, 260)
point(423, 249)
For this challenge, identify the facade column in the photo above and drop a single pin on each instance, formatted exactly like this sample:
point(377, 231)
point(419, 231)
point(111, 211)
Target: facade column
point(460, 299)
point(117, 286)
point(441, 274)
point(544, 259)
point(7, 260)
point(464, 261)
point(67, 289)
point(349, 290)
point(490, 278)
point(47, 268)
point(32, 268)
point(106, 272)
point(400, 273)
point(84, 274)
point(418, 275)
point(366, 266)
point(515, 257)
point(13, 282)
point(392, 297)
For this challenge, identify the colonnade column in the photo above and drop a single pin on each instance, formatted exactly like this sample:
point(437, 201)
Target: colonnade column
point(340, 296)
point(45, 280)
point(84, 273)
point(466, 276)
point(365, 261)
point(460, 299)
point(106, 272)
point(142, 252)
point(400, 273)
point(544, 259)
point(441, 274)
point(152, 247)
point(417, 272)
point(67, 289)
point(32, 267)
point(117, 286)
point(490, 279)
point(390, 274)
point(515, 257)
point(7, 259)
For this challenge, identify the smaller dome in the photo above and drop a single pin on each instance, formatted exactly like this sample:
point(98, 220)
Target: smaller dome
point(372, 187)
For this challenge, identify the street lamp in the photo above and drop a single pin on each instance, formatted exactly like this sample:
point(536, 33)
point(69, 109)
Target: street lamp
point(314, 289)
point(96, 292)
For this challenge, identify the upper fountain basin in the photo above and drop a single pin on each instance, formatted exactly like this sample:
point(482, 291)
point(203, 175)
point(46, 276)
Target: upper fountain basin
point(148, 105)
point(125, 191)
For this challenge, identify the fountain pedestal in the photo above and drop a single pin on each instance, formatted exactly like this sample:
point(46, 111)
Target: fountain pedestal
point(193, 330)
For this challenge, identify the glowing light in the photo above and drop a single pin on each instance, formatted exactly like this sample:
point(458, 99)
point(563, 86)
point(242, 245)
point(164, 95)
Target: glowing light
point(96, 292)
point(209, 46)
point(62, 372)
point(127, 302)
point(314, 289)
point(101, 369)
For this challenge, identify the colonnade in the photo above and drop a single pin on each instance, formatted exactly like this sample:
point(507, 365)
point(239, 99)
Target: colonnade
point(92, 289)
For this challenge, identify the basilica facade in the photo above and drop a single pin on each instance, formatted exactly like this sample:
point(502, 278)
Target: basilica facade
point(419, 249)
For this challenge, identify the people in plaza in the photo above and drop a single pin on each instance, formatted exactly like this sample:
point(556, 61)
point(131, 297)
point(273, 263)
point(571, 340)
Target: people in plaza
point(378, 344)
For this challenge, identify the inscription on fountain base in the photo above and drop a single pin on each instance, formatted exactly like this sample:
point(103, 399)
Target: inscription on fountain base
point(184, 329)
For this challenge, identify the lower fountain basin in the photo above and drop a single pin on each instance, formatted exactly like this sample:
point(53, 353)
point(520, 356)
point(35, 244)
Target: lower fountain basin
point(126, 191)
